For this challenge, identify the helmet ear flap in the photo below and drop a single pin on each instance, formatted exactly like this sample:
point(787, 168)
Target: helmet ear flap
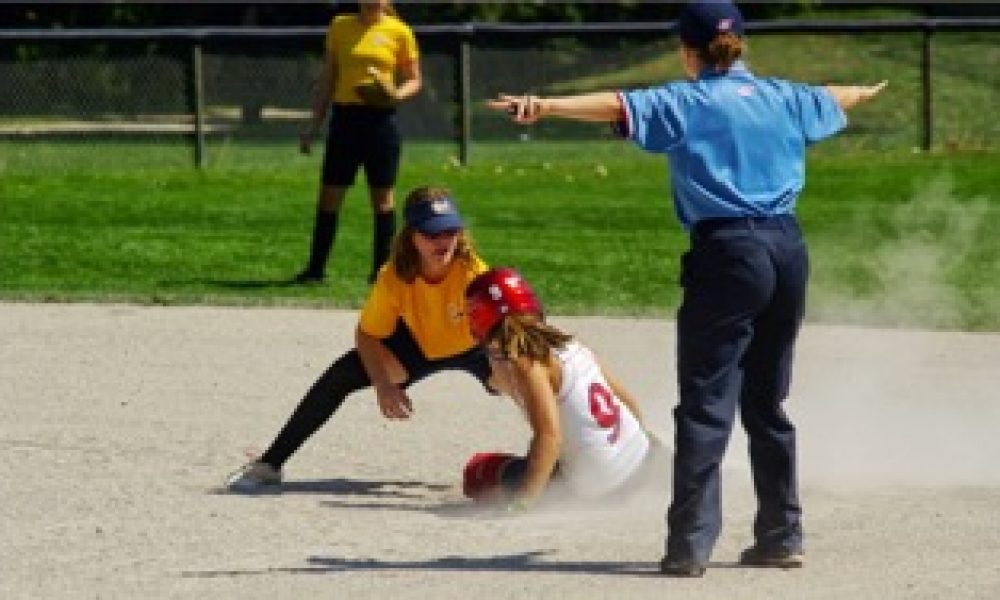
point(483, 317)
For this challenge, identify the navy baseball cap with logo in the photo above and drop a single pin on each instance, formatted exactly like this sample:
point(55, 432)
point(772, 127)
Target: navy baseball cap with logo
point(435, 216)
point(700, 21)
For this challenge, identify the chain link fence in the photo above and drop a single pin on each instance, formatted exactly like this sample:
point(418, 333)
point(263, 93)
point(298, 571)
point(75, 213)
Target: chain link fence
point(245, 84)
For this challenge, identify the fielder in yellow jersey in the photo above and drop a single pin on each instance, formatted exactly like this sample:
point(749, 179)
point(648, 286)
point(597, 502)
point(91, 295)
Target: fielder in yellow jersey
point(413, 325)
point(433, 312)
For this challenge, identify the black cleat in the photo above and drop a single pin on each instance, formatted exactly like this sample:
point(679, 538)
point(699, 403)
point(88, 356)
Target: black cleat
point(308, 277)
point(681, 568)
point(777, 558)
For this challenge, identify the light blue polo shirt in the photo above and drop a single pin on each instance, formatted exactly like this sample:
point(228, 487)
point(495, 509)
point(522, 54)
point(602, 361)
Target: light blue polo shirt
point(735, 143)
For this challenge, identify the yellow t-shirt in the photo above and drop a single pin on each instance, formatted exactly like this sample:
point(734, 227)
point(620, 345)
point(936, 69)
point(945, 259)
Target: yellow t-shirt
point(355, 47)
point(434, 312)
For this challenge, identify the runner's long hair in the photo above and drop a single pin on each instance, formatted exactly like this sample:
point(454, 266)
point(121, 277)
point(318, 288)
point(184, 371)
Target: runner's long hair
point(528, 336)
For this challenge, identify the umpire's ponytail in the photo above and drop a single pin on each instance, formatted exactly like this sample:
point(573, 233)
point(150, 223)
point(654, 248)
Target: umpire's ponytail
point(722, 51)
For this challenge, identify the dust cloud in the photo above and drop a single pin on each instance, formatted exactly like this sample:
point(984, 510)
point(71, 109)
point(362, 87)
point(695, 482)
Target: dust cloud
point(909, 276)
point(888, 407)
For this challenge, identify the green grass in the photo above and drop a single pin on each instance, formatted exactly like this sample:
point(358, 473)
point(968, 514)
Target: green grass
point(897, 238)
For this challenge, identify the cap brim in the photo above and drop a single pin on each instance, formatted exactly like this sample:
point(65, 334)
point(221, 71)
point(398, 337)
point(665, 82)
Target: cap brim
point(439, 223)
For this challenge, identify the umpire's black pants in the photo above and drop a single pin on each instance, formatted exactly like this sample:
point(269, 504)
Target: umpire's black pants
point(744, 295)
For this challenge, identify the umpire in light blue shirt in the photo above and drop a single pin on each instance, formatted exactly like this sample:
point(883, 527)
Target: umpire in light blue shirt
point(735, 145)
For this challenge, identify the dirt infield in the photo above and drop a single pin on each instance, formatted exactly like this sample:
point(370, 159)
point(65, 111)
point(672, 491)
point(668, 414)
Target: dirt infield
point(118, 423)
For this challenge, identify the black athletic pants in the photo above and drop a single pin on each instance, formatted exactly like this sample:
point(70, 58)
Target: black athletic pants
point(347, 375)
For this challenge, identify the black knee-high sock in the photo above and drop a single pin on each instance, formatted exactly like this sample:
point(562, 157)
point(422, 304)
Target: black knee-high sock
point(345, 376)
point(385, 229)
point(324, 232)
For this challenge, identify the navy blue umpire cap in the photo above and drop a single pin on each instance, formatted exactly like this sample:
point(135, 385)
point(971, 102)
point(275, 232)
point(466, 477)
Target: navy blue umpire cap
point(435, 216)
point(700, 21)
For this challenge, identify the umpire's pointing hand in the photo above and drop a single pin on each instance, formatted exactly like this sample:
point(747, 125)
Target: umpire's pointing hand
point(522, 109)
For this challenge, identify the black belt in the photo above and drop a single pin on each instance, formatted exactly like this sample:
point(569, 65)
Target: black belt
point(709, 226)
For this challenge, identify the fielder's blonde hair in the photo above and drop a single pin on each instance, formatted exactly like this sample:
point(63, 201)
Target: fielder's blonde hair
point(405, 257)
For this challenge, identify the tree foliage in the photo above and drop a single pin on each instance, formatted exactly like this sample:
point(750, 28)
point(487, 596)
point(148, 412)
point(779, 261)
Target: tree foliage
point(46, 15)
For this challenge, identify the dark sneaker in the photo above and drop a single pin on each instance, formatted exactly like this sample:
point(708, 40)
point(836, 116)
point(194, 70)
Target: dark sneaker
point(778, 558)
point(681, 568)
point(308, 277)
point(254, 477)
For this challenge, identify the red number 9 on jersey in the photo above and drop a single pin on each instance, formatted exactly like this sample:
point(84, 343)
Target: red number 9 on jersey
point(606, 411)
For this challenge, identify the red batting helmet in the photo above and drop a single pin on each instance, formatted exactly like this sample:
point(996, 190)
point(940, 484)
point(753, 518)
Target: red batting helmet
point(493, 295)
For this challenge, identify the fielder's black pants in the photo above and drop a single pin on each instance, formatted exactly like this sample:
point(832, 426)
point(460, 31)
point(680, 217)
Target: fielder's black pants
point(347, 375)
point(744, 296)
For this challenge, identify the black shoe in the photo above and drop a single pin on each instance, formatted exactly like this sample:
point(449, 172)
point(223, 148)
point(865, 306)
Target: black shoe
point(681, 568)
point(778, 558)
point(308, 277)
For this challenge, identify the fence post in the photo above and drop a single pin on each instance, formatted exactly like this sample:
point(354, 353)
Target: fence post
point(464, 99)
point(198, 106)
point(926, 89)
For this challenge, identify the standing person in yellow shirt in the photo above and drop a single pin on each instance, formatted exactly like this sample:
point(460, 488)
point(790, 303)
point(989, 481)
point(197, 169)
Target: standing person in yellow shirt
point(372, 64)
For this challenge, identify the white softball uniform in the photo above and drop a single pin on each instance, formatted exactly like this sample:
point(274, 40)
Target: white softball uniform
point(603, 443)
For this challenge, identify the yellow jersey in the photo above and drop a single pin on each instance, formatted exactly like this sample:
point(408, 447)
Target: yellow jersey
point(355, 47)
point(433, 312)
